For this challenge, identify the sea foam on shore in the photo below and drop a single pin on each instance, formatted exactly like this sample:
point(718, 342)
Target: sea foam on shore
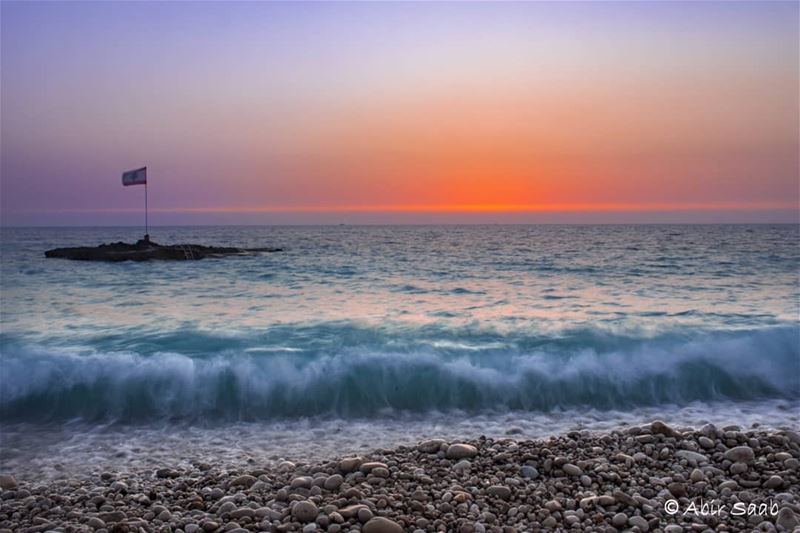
point(46, 451)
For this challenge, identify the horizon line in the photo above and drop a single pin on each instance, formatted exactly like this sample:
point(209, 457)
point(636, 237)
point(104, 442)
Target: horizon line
point(336, 224)
point(446, 208)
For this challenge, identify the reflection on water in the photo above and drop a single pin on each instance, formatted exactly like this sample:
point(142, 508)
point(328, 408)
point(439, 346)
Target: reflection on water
point(540, 278)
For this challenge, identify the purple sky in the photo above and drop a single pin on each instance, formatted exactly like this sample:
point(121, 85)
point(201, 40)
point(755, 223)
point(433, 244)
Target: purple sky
point(294, 113)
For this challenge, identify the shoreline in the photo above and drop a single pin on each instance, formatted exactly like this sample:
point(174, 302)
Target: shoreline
point(37, 451)
point(616, 480)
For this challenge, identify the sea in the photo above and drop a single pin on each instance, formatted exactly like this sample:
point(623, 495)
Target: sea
point(354, 338)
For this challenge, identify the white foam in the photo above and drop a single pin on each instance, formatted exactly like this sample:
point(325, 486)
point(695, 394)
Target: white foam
point(41, 452)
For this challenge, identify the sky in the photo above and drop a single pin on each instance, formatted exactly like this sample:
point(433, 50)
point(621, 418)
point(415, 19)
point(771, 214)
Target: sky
point(295, 113)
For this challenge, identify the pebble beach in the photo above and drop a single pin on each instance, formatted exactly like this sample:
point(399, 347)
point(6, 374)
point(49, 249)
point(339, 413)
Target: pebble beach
point(653, 477)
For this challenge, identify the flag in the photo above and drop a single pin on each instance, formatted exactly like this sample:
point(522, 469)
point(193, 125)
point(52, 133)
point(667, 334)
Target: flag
point(135, 177)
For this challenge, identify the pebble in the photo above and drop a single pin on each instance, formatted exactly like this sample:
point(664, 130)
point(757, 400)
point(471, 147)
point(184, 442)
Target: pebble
point(549, 522)
point(499, 491)
point(638, 521)
point(461, 466)
point(461, 451)
point(95, 523)
point(380, 472)
point(301, 482)
point(167, 473)
point(243, 481)
point(8, 482)
point(351, 510)
point(606, 501)
point(118, 486)
point(738, 468)
point(431, 446)
point(787, 519)
point(382, 525)
point(588, 502)
point(111, 517)
point(364, 515)
point(366, 468)
point(677, 489)
point(691, 457)
point(740, 454)
point(225, 508)
point(243, 512)
point(553, 506)
point(333, 482)
point(571, 470)
point(705, 443)
point(350, 464)
point(660, 428)
point(305, 511)
point(624, 498)
point(209, 525)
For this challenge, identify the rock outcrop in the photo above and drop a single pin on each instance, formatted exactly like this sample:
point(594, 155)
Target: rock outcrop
point(146, 250)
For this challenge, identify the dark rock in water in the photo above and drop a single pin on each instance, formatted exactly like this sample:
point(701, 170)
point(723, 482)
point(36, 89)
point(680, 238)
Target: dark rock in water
point(145, 250)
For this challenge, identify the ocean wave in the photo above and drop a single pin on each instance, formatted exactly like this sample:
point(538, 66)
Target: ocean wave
point(363, 373)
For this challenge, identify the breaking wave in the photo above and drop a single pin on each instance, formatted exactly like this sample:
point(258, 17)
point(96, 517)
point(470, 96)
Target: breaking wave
point(196, 376)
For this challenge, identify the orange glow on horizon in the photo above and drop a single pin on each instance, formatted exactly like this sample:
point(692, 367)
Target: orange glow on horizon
point(467, 208)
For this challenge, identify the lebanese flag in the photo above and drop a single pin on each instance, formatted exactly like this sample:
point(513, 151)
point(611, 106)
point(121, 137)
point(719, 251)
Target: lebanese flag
point(135, 177)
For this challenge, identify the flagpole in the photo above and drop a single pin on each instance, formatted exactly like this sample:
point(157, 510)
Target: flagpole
point(146, 228)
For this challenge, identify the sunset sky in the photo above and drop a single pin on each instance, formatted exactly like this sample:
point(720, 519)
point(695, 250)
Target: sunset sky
point(400, 112)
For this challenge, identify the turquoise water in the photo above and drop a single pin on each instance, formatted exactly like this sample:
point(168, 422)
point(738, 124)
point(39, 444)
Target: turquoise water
point(358, 322)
